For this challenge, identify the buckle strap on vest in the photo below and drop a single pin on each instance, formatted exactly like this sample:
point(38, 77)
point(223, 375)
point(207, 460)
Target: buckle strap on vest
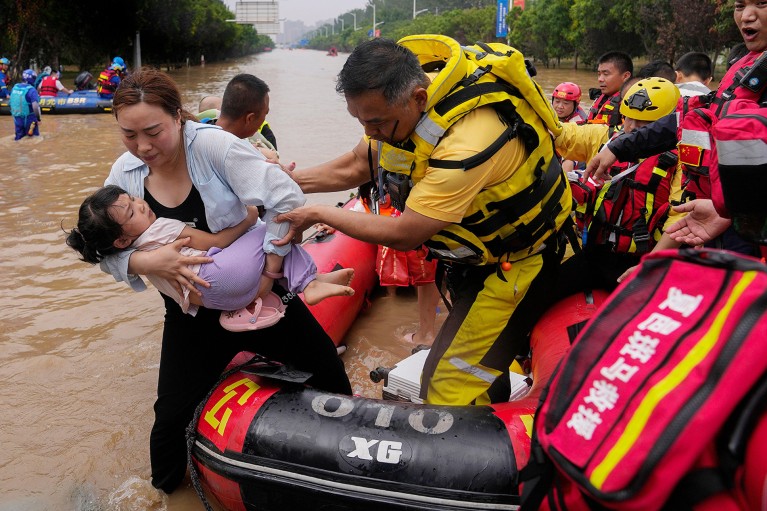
point(481, 157)
point(512, 208)
point(538, 476)
point(473, 77)
point(371, 189)
point(641, 234)
point(471, 92)
point(525, 236)
point(440, 277)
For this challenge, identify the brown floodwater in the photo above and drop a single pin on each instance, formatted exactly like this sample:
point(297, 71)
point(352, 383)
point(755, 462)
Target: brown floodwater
point(78, 352)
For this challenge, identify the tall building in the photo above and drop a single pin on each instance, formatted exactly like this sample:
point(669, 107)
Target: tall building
point(292, 32)
point(264, 15)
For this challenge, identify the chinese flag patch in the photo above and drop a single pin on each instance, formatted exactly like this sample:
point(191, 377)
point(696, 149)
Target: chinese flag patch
point(690, 154)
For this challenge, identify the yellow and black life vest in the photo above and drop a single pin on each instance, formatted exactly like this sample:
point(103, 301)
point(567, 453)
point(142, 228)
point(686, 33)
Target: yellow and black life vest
point(511, 219)
point(104, 84)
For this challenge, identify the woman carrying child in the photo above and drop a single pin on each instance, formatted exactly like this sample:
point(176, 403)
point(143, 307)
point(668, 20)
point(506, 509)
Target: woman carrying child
point(111, 220)
point(203, 176)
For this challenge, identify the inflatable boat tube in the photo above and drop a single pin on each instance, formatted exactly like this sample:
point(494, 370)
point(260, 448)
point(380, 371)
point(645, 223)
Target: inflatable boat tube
point(79, 102)
point(333, 252)
point(261, 446)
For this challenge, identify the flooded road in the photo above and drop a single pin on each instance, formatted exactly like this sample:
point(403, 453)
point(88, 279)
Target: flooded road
point(78, 352)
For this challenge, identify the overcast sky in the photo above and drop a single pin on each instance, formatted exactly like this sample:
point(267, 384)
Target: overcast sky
point(312, 11)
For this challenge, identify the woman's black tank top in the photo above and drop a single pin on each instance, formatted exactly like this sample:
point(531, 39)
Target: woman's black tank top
point(192, 213)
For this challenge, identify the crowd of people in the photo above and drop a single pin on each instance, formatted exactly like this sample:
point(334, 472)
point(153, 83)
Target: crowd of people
point(25, 101)
point(477, 189)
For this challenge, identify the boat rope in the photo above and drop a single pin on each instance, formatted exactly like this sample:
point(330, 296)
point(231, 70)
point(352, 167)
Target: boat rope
point(191, 429)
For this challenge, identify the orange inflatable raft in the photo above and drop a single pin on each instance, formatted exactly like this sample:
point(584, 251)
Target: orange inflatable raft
point(333, 252)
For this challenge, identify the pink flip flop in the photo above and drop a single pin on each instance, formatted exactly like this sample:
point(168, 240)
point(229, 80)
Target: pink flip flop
point(266, 312)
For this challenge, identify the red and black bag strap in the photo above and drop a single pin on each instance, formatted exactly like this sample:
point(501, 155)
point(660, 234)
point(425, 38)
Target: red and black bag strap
point(702, 483)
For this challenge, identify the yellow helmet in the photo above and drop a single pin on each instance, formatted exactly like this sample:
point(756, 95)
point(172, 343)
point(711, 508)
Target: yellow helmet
point(650, 99)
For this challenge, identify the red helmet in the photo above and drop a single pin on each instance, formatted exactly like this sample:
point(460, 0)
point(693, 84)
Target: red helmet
point(568, 91)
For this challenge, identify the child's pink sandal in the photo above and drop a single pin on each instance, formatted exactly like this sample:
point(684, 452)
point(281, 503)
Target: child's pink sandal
point(261, 313)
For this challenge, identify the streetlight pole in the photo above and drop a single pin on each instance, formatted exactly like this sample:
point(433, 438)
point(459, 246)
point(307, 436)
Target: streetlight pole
point(342, 22)
point(354, 14)
point(375, 25)
point(416, 13)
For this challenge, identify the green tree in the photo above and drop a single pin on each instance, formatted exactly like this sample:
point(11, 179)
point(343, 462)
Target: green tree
point(724, 32)
point(525, 31)
point(690, 27)
point(467, 26)
point(598, 27)
point(542, 29)
point(49, 33)
point(470, 25)
point(556, 16)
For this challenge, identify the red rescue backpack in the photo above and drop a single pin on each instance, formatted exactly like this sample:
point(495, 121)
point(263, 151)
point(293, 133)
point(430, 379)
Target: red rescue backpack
point(745, 81)
point(655, 404)
point(740, 137)
point(630, 209)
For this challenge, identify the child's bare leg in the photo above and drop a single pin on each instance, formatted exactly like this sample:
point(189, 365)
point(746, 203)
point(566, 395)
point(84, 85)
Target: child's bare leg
point(341, 277)
point(316, 290)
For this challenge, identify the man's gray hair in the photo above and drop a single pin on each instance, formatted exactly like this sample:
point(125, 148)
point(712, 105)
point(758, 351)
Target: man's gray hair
point(381, 65)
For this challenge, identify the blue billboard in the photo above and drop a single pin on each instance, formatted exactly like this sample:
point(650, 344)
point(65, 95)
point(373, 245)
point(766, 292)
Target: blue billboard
point(501, 28)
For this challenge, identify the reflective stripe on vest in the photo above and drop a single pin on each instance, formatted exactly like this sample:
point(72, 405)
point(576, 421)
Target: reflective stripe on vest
point(473, 370)
point(742, 152)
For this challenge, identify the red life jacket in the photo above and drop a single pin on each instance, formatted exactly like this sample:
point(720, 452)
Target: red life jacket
point(694, 147)
point(577, 116)
point(740, 136)
point(630, 209)
point(48, 86)
point(697, 150)
point(660, 402)
point(606, 110)
point(584, 197)
point(585, 193)
point(104, 83)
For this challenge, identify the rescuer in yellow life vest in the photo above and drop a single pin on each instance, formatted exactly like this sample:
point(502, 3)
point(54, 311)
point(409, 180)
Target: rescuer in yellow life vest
point(468, 155)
